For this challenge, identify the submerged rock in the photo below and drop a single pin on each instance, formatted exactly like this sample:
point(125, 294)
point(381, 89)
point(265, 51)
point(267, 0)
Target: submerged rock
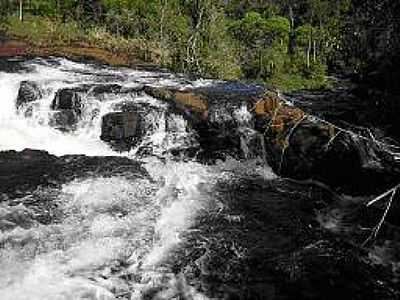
point(29, 91)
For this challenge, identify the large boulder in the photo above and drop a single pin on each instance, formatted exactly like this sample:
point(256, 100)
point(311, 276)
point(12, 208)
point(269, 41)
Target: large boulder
point(213, 120)
point(119, 128)
point(194, 105)
point(29, 91)
point(301, 146)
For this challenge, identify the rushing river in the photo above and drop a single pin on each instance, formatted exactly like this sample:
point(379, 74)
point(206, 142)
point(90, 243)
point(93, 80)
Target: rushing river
point(155, 222)
point(104, 222)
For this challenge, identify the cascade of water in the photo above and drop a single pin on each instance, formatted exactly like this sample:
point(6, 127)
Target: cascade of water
point(107, 228)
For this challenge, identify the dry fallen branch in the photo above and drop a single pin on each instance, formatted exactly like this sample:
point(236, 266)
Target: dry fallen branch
point(393, 150)
point(383, 195)
point(287, 139)
point(330, 142)
point(375, 231)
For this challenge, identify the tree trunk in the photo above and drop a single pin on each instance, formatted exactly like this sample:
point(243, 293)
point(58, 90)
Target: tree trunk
point(162, 40)
point(21, 13)
point(292, 34)
point(314, 51)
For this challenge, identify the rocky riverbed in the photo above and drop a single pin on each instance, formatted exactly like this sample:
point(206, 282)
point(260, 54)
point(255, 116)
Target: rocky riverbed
point(118, 183)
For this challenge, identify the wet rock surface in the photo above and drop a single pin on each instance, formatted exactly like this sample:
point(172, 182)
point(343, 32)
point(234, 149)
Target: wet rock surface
point(349, 105)
point(67, 104)
point(67, 99)
point(302, 147)
point(28, 92)
point(266, 244)
point(215, 115)
point(22, 172)
point(297, 145)
point(120, 128)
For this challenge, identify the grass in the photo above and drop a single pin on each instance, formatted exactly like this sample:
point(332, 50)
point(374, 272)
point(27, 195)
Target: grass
point(292, 82)
point(47, 36)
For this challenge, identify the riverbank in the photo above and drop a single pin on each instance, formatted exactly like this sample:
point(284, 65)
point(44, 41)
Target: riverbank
point(13, 48)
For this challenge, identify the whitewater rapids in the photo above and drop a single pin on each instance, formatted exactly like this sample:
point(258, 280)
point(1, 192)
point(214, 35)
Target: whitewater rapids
point(107, 228)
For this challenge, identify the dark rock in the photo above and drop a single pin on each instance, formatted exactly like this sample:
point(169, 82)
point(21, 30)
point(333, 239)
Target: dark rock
point(14, 65)
point(22, 172)
point(285, 254)
point(106, 88)
point(68, 105)
point(145, 110)
point(211, 112)
point(119, 127)
point(67, 99)
point(29, 91)
point(301, 147)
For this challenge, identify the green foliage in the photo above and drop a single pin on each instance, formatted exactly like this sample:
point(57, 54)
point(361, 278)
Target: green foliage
point(277, 27)
point(39, 31)
point(132, 18)
point(238, 39)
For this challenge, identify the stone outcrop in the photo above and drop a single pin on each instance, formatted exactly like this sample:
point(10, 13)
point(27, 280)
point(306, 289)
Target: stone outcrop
point(303, 147)
point(217, 135)
point(24, 171)
point(297, 144)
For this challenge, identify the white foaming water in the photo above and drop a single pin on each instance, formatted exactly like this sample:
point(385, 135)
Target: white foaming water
point(17, 132)
point(107, 229)
point(110, 236)
point(105, 222)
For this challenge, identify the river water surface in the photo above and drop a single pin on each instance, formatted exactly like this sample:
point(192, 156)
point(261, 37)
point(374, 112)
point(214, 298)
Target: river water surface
point(104, 222)
point(184, 229)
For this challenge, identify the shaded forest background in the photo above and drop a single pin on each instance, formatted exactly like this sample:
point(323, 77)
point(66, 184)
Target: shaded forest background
point(289, 44)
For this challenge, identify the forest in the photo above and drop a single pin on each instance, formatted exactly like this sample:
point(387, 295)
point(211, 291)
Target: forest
point(288, 44)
